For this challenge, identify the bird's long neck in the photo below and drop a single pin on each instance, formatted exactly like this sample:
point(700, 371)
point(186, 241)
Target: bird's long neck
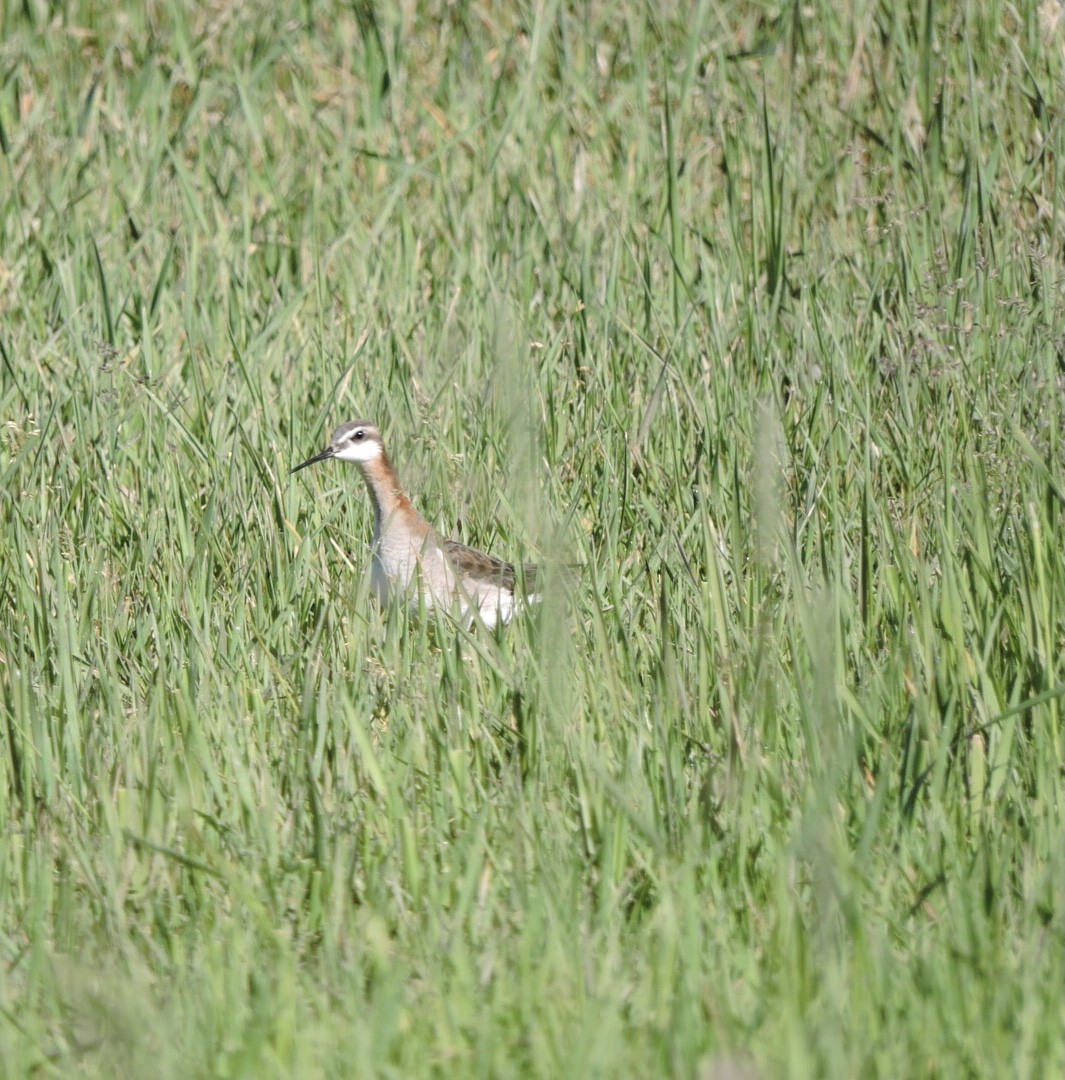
point(386, 492)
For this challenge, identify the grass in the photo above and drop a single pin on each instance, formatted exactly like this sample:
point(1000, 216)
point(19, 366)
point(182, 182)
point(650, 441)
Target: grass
point(758, 314)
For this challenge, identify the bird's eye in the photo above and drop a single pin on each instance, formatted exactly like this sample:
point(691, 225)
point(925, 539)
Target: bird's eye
point(359, 435)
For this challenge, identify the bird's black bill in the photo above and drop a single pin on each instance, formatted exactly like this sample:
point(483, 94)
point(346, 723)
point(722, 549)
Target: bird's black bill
point(326, 453)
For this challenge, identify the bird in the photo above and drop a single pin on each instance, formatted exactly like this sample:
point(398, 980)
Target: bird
point(410, 559)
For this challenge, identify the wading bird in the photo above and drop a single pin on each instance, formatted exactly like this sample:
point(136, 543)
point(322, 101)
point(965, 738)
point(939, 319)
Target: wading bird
point(410, 559)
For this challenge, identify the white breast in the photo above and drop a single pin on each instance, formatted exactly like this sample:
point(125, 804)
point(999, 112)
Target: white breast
point(411, 566)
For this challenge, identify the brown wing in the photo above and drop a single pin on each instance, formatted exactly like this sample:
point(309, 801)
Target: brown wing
point(475, 564)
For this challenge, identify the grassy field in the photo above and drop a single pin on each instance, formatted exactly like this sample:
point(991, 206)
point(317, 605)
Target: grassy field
point(755, 311)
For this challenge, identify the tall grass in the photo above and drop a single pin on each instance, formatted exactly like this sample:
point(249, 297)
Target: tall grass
point(758, 316)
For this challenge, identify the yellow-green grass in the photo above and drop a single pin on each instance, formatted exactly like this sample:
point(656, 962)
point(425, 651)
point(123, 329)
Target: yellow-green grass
point(755, 312)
